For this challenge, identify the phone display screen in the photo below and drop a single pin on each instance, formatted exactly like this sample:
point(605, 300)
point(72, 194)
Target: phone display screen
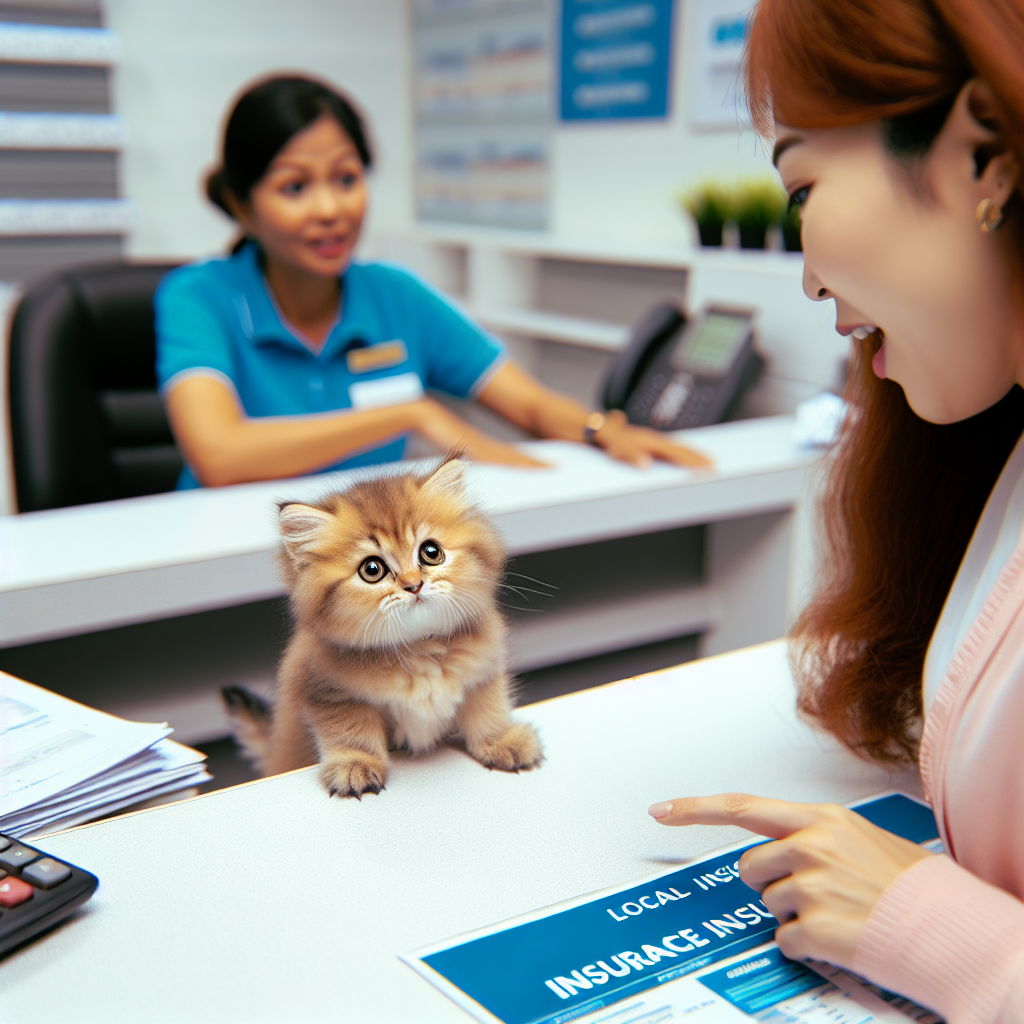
point(712, 349)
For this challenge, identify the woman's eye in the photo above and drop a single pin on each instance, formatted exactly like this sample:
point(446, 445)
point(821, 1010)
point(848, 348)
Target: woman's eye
point(293, 188)
point(797, 199)
point(431, 553)
point(373, 570)
point(347, 180)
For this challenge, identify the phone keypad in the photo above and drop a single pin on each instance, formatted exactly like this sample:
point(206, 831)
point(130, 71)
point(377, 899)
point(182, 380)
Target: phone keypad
point(672, 401)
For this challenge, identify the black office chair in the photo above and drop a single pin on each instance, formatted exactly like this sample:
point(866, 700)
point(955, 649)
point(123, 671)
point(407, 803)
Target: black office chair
point(87, 423)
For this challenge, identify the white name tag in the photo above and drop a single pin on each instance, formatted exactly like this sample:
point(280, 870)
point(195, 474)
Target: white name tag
point(397, 390)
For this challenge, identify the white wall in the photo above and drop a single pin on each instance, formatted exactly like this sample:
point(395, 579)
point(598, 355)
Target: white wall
point(183, 61)
point(621, 179)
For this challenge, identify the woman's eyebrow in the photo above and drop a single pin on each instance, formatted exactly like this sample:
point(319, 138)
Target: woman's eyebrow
point(782, 145)
point(299, 162)
point(291, 163)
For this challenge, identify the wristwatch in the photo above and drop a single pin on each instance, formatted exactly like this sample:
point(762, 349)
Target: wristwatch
point(597, 421)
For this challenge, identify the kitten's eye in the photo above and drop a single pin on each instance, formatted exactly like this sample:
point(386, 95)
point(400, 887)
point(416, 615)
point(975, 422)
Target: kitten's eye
point(373, 570)
point(431, 553)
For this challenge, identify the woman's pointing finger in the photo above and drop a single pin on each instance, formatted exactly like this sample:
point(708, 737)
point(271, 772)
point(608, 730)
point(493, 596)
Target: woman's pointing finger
point(774, 818)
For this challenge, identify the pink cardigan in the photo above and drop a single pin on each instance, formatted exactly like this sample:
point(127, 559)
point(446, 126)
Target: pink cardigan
point(949, 932)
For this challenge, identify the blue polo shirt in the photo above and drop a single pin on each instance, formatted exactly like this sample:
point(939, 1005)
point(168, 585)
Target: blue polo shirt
point(395, 337)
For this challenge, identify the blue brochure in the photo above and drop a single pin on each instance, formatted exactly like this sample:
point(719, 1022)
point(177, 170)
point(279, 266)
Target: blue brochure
point(696, 924)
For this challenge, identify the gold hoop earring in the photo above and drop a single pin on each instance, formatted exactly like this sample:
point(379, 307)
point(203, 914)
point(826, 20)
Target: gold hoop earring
point(989, 215)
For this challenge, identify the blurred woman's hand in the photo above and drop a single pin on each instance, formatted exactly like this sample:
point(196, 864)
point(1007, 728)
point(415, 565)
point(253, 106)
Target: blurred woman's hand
point(640, 446)
point(823, 876)
point(444, 429)
point(545, 413)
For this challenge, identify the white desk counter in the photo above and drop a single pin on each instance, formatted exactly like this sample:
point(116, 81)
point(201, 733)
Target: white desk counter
point(93, 567)
point(271, 902)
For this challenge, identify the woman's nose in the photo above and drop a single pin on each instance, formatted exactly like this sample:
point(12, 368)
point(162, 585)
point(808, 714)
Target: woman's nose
point(813, 287)
point(328, 205)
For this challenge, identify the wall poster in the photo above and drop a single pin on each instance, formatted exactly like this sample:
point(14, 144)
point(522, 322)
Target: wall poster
point(719, 30)
point(482, 101)
point(616, 59)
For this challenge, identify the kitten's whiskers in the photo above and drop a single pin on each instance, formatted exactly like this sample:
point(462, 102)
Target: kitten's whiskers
point(524, 590)
point(540, 583)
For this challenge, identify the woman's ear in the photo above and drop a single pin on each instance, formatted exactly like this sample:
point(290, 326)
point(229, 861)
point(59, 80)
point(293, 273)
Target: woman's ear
point(242, 212)
point(301, 527)
point(995, 163)
point(973, 129)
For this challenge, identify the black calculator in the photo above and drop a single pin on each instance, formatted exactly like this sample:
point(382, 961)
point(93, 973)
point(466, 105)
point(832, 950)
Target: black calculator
point(36, 891)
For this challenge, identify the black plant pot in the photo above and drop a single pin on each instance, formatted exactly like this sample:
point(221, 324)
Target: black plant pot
point(710, 232)
point(752, 236)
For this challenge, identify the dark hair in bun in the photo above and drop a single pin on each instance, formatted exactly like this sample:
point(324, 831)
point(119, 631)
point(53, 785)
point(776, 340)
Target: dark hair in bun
point(264, 120)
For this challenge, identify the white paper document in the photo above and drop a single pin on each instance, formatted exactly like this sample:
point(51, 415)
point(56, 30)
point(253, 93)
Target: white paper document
point(692, 942)
point(62, 763)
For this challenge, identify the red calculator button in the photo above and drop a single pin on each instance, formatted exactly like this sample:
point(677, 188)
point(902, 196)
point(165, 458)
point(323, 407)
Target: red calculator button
point(14, 891)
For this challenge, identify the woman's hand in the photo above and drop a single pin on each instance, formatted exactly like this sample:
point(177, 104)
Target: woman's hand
point(641, 446)
point(224, 446)
point(447, 431)
point(823, 876)
point(527, 403)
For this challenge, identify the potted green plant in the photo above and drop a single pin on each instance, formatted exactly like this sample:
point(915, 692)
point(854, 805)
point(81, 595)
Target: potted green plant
point(710, 204)
point(760, 203)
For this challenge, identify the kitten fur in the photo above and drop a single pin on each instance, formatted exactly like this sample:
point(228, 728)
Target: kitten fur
point(408, 660)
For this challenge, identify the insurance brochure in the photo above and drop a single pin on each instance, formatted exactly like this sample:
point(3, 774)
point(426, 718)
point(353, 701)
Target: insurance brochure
point(693, 942)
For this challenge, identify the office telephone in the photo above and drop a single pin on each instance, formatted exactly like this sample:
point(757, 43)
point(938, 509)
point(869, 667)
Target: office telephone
point(676, 373)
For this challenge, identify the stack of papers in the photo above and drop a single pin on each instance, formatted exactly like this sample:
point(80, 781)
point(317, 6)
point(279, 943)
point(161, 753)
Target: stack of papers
point(62, 763)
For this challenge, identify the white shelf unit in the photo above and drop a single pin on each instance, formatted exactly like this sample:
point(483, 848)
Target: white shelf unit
point(57, 44)
point(565, 306)
point(21, 218)
point(541, 326)
point(60, 146)
point(60, 174)
point(56, 131)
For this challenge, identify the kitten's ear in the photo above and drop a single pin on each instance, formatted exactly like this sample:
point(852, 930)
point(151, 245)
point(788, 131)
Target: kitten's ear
point(301, 526)
point(447, 481)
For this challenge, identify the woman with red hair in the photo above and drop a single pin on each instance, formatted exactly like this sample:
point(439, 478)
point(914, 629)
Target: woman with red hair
point(898, 131)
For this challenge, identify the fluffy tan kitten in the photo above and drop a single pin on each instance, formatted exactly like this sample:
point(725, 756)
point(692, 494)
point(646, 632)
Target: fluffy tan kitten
point(398, 639)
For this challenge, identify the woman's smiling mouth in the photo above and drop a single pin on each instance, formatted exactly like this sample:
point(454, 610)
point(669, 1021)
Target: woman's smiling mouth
point(859, 331)
point(329, 248)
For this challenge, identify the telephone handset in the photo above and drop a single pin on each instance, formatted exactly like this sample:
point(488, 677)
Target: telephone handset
point(676, 373)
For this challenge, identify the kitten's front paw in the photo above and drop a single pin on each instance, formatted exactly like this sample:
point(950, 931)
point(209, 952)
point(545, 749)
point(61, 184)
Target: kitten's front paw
point(353, 775)
point(517, 750)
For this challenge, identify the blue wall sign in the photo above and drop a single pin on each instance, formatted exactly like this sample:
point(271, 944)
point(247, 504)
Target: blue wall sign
point(616, 59)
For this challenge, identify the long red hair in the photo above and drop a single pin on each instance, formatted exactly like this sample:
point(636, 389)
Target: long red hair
point(903, 495)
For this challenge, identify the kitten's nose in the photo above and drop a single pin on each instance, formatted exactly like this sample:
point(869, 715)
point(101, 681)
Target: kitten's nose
point(411, 586)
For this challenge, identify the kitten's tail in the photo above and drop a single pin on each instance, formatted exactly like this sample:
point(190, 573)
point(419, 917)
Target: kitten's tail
point(250, 716)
